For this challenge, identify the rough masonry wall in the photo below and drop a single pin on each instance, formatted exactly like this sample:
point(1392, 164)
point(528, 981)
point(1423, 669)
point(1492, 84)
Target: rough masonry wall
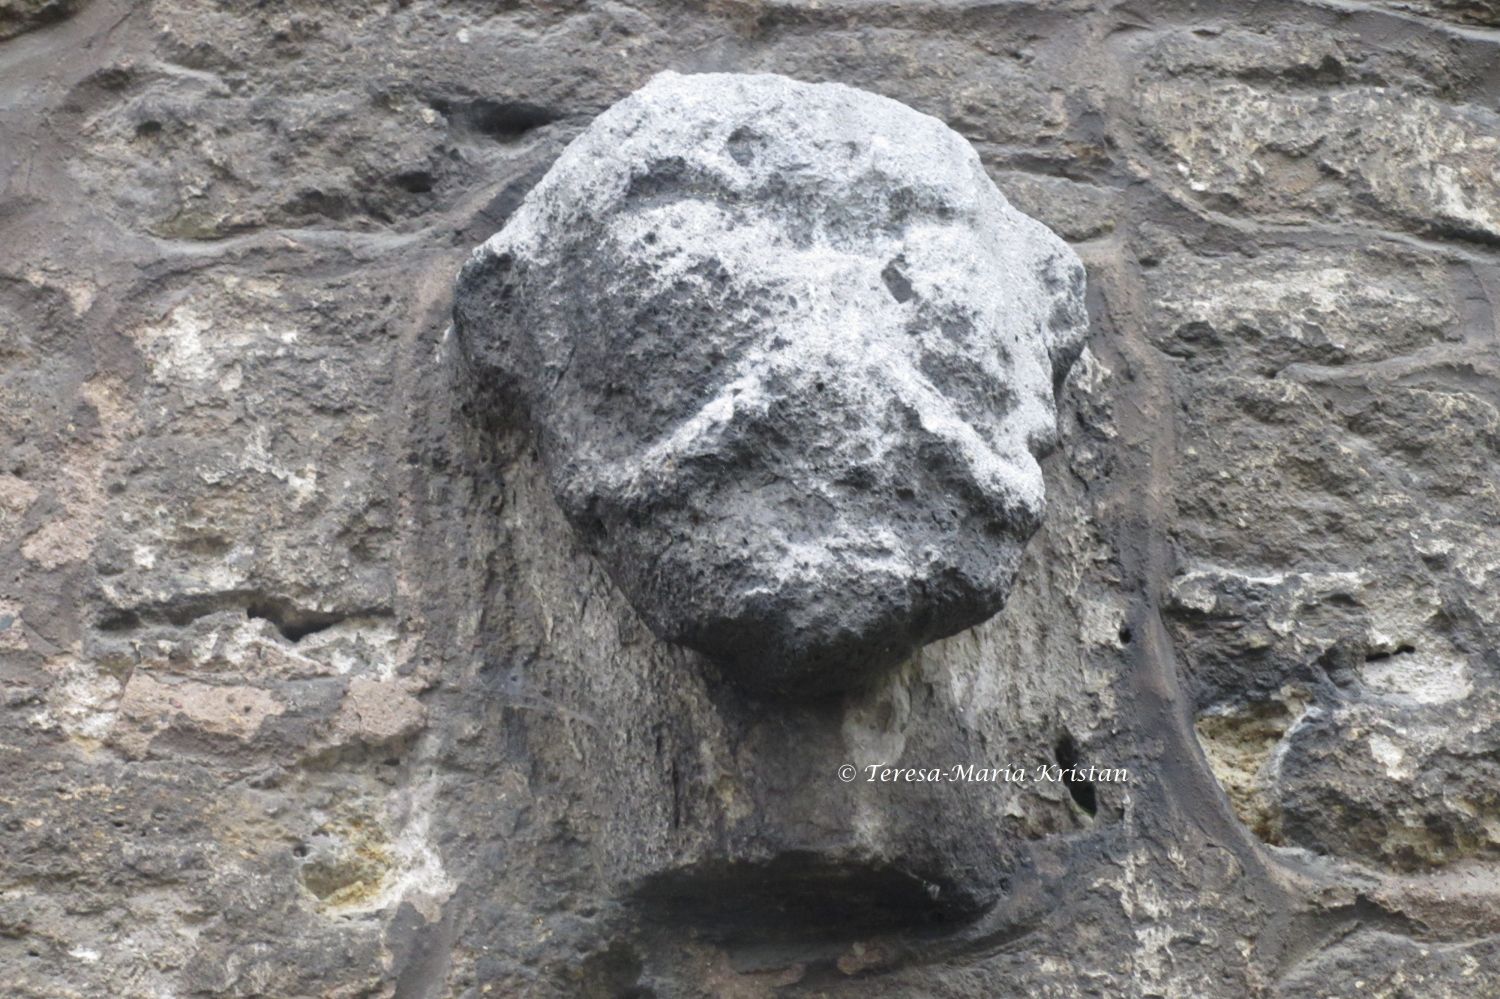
point(310, 691)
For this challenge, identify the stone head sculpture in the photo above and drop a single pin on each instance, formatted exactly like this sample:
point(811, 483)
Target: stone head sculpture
point(790, 356)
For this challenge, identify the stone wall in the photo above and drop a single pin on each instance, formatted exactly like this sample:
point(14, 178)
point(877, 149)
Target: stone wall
point(310, 691)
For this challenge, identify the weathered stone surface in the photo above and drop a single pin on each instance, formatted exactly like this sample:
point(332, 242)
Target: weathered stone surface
point(19, 16)
point(791, 358)
point(1354, 151)
point(1386, 963)
point(1334, 606)
point(239, 469)
point(1258, 309)
point(1485, 12)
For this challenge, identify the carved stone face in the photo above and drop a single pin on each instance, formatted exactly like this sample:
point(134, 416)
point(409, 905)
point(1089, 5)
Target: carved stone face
point(791, 358)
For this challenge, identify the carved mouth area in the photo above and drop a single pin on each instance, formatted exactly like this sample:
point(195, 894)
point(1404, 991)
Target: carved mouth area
point(801, 896)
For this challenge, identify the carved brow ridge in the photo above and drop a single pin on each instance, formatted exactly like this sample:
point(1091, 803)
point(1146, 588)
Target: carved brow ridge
point(702, 432)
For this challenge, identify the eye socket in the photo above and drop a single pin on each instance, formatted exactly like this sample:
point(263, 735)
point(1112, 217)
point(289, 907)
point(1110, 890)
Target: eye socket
point(897, 282)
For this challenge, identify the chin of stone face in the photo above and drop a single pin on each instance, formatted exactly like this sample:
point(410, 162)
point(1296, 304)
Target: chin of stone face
point(789, 356)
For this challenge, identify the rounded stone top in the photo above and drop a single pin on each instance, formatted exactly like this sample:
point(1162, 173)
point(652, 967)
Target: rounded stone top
point(790, 356)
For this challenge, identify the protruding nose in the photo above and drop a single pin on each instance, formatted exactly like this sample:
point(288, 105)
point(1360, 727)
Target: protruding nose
point(1005, 489)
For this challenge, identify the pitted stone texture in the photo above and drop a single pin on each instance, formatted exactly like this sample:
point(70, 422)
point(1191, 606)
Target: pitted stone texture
point(791, 357)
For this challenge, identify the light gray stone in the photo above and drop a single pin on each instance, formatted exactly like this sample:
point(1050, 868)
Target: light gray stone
point(790, 355)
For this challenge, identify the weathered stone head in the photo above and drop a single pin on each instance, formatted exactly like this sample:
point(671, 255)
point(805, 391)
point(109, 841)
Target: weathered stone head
point(791, 359)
